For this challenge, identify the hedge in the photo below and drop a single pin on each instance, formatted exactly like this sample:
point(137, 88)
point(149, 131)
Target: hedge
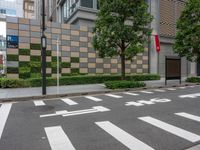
point(35, 46)
point(193, 79)
point(12, 58)
point(80, 79)
point(75, 60)
point(24, 52)
point(124, 84)
point(12, 70)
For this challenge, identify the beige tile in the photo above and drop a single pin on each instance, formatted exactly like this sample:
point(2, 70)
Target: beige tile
point(12, 26)
point(145, 57)
point(24, 33)
point(65, 26)
point(36, 52)
point(83, 70)
point(66, 70)
point(90, 45)
point(56, 31)
point(65, 48)
point(74, 65)
point(48, 70)
point(119, 66)
point(65, 59)
point(133, 66)
point(99, 60)
point(128, 70)
point(35, 40)
point(83, 49)
point(139, 62)
point(139, 70)
point(145, 66)
point(54, 42)
point(35, 28)
point(106, 65)
point(128, 62)
point(49, 47)
point(24, 58)
point(14, 76)
point(73, 43)
point(23, 21)
point(12, 51)
point(83, 60)
point(114, 70)
point(90, 34)
point(83, 39)
point(73, 32)
point(48, 58)
point(48, 35)
point(74, 54)
point(24, 45)
point(99, 70)
point(54, 53)
point(65, 37)
point(139, 54)
point(48, 24)
point(92, 55)
point(114, 61)
point(83, 28)
point(91, 65)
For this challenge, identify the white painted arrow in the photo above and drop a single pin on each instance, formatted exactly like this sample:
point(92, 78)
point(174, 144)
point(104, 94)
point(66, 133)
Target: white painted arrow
point(66, 113)
point(190, 95)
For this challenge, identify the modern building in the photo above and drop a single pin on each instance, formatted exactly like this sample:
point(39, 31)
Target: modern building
point(31, 9)
point(11, 8)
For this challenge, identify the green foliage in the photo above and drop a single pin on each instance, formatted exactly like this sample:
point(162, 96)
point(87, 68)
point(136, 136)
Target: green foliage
point(124, 84)
point(121, 29)
point(24, 64)
point(193, 79)
point(48, 64)
point(36, 58)
point(35, 75)
point(35, 64)
point(35, 69)
point(48, 53)
point(13, 83)
point(24, 75)
point(65, 65)
point(35, 46)
point(74, 70)
point(24, 52)
point(12, 57)
point(54, 59)
point(24, 69)
point(75, 60)
point(12, 70)
point(188, 26)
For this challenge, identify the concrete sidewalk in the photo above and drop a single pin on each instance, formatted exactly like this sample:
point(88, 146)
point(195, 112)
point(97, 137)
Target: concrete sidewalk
point(31, 93)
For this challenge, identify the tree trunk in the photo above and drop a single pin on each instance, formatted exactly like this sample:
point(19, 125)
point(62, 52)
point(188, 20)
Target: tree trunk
point(123, 66)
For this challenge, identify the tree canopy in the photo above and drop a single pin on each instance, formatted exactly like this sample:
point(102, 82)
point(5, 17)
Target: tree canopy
point(121, 29)
point(187, 42)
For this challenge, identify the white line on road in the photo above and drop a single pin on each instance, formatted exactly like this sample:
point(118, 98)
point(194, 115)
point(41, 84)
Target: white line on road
point(93, 98)
point(39, 103)
point(182, 87)
point(112, 95)
point(158, 90)
point(171, 89)
point(171, 129)
point(57, 138)
point(4, 112)
point(147, 92)
point(190, 95)
point(128, 93)
point(69, 101)
point(125, 138)
point(188, 116)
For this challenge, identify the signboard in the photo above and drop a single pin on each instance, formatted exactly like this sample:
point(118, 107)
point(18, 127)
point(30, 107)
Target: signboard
point(12, 41)
point(1, 59)
point(157, 42)
point(172, 68)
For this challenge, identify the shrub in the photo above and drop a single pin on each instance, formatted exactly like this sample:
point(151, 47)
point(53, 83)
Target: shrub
point(36, 58)
point(12, 58)
point(24, 64)
point(24, 52)
point(74, 60)
point(24, 75)
point(35, 46)
point(74, 70)
point(65, 65)
point(48, 53)
point(13, 83)
point(124, 84)
point(12, 70)
point(193, 79)
point(35, 64)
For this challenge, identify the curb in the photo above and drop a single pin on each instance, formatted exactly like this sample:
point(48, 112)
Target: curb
point(196, 147)
point(54, 96)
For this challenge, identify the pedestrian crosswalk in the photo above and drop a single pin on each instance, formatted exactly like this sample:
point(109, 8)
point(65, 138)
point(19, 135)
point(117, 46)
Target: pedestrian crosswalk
point(58, 138)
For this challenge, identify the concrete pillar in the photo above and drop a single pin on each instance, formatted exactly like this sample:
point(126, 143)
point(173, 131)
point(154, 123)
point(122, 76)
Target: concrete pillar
point(154, 6)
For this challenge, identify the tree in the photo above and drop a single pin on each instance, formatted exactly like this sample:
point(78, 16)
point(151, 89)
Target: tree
point(121, 29)
point(187, 42)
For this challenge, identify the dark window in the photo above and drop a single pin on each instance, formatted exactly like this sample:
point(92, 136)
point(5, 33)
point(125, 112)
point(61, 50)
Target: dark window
point(2, 11)
point(87, 3)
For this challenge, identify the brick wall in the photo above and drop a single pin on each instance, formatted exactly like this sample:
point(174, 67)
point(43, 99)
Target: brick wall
point(76, 56)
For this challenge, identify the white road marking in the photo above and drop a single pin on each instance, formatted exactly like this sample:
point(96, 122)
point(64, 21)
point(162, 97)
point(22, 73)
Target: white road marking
point(4, 112)
point(66, 113)
point(128, 93)
point(188, 116)
point(57, 138)
point(171, 89)
point(93, 98)
point(125, 138)
point(112, 95)
point(147, 92)
point(69, 101)
point(191, 86)
point(190, 95)
point(158, 90)
point(102, 85)
point(172, 129)
point(134, 104)
point(182, 87)
point(39, 103)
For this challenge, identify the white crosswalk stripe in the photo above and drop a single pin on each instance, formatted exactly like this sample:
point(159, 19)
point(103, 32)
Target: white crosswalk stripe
point(188, 116)
point(171, 129)
point(69, 101)
point(4, 112)
point(182, 87)
point(146, 92)
point(171, 89)
point(122, 136)
point(159, 90)
point(130, 93)
point(114, 96)
point(57, 138)
point(93, 98)
point(39, 103)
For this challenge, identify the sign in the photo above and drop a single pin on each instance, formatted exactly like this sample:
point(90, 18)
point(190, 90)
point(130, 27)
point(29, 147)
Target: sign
point(12, 41)
point(157, 41)
point(172, 68)
point(1, 59)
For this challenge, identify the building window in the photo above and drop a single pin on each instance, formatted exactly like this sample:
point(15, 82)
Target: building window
point(87, 3)
point(2, 11)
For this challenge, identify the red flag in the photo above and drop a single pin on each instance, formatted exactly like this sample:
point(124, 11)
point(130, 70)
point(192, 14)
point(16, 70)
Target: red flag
point(157, 41)
point(1, 59)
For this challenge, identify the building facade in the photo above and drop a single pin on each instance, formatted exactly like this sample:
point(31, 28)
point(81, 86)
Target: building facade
point(31, 9)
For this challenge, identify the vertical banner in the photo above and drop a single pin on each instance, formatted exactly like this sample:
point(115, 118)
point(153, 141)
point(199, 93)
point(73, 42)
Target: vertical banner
point(157, 42)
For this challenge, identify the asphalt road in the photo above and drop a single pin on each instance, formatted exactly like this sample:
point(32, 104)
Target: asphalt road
point(160, 119)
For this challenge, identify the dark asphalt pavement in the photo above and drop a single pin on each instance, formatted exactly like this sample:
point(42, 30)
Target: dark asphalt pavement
point(160, 119)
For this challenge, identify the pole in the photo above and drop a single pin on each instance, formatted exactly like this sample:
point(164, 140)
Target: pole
point(43, 43)
point(58, 74)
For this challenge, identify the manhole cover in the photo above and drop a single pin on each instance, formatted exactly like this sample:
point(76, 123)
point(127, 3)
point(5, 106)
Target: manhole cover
point(38, 109)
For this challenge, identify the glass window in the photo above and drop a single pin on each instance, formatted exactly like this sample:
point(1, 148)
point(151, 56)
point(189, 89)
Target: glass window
point(87, 3)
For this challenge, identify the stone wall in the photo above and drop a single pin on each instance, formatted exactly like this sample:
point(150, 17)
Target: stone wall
point(76, 52)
